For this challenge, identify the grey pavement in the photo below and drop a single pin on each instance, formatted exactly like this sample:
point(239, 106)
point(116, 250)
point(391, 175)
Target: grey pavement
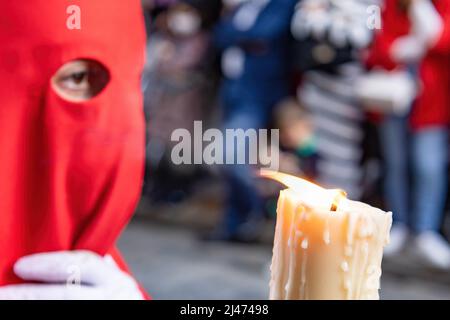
point(171, 263)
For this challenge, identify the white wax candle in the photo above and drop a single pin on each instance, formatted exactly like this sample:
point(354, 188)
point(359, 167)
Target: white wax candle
point(324, 254)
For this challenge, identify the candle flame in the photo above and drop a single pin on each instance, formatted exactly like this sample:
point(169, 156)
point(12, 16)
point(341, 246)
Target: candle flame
point(310, 192)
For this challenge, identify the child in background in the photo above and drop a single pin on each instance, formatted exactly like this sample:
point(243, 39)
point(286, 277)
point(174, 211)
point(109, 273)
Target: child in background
point(298, 155)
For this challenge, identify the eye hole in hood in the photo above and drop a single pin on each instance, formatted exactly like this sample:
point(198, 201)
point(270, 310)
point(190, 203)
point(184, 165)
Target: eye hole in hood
point(80, 80)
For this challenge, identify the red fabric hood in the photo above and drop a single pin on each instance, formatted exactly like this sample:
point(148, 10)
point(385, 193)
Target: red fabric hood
point(70, 173)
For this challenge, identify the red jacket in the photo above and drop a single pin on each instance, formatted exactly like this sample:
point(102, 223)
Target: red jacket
point(395, 24)
point(432, 106)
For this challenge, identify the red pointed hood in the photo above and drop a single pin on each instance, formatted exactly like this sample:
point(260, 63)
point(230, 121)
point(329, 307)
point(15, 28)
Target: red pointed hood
point(70, 173)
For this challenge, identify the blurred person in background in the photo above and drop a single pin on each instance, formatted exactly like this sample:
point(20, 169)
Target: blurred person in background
point(180, 83)
point(393, 127)
point(330, 36)
point(417, 33)
point(72, 140)
point(253, 36)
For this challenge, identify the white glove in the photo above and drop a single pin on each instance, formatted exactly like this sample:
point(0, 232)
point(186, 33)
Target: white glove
point(71, 275)
point(426, 21)
point(408, 49)
point(389, 92)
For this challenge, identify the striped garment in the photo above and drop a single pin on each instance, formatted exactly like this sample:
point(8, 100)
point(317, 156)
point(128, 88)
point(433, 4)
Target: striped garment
point(337, 117)
point(338, 123)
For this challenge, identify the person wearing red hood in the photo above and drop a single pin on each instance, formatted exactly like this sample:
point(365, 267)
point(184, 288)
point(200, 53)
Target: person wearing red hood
point(72, 146)
point(417, 32)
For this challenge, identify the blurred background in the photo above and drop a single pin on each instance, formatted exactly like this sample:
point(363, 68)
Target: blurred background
point(360, 92)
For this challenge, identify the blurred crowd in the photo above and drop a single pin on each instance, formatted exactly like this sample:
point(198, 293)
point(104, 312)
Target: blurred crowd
point(359, 89)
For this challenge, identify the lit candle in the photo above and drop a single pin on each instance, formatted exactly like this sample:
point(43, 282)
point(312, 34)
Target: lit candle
point(326, 246)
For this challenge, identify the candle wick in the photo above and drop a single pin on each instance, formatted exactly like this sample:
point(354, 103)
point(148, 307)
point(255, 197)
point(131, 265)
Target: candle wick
point(339, 196)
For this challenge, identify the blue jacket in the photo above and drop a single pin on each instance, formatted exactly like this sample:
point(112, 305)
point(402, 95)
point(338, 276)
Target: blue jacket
point(266, 44)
